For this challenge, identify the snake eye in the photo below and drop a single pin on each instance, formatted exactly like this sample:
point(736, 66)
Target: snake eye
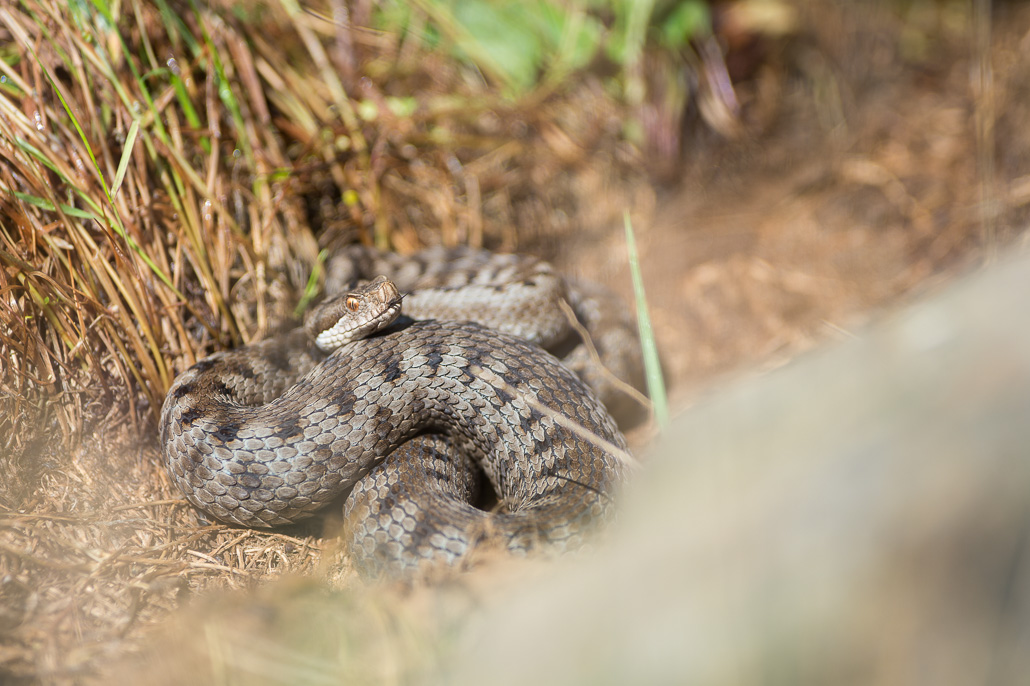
point(352, 304)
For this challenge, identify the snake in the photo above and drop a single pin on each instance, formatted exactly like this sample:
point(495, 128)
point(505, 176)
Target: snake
point(446, 430)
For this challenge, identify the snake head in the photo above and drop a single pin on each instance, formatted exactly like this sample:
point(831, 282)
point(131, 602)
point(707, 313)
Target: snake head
point(354, 315)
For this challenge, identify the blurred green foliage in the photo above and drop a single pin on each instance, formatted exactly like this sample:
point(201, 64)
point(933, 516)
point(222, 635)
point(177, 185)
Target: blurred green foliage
point(526, 44)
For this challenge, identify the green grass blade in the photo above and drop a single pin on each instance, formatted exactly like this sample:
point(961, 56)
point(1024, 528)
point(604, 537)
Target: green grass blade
point(123, 164)
point(652, 365)
point(311, 289)
point(224, 88)
point(45, 204)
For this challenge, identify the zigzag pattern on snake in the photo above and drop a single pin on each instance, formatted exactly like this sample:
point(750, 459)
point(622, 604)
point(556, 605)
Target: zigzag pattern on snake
point(408, 418)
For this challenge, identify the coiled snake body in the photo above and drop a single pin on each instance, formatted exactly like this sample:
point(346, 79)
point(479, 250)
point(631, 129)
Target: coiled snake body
point(408, 417)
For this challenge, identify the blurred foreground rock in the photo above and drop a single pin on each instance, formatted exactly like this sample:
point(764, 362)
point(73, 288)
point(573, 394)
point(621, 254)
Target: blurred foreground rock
point(858, 517)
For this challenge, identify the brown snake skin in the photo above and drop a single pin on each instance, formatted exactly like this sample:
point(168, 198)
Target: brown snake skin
point(410, 418)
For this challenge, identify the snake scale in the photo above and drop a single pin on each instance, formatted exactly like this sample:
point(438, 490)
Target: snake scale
point(417, 418)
